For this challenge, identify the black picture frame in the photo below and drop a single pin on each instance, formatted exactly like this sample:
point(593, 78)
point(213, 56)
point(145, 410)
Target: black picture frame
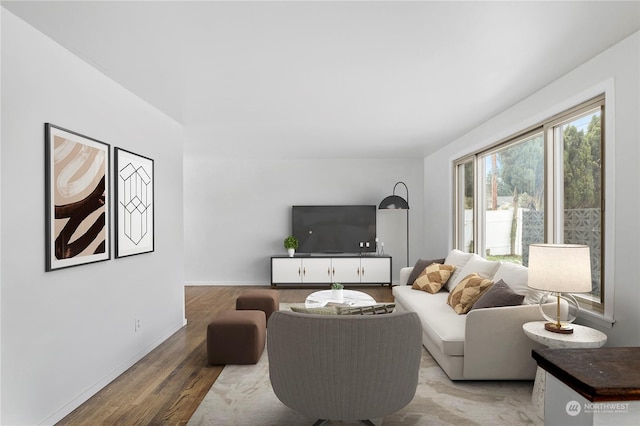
point(135, 208)
point(77, 199)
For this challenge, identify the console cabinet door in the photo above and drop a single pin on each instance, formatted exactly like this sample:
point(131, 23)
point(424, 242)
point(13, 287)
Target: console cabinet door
point(286, 270)
point(345, 270)
point(375, 270)
point(316, 270)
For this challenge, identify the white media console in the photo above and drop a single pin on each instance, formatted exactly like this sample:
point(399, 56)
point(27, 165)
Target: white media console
point(321, 269)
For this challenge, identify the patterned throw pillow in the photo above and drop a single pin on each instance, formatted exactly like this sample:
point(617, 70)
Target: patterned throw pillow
point(433, 277)
point(419, 267)
point(467, 292)
point(385, 308)
point(325, 310)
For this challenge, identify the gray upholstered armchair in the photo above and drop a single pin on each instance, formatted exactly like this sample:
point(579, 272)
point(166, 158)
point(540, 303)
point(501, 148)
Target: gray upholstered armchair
point(344, 367)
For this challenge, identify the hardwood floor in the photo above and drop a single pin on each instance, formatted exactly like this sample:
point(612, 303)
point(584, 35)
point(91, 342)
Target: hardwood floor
point(167, 385)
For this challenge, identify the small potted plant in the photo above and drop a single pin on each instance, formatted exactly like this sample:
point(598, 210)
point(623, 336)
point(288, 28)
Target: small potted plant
point(337, 290)
point(291, 244)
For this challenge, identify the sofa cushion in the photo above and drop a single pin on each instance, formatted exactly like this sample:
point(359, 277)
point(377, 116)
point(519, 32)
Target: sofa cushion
point(475, 265)
point(516, 276)
point(500, 294)
point(440, 324)
point(419, 267)
point(433, 277)
point(467, 292)
point(458, 259)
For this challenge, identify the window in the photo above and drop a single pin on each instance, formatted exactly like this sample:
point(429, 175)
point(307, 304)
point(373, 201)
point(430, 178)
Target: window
point(513, 187)
point(465, 204)
point(578, 191)
point(543, 185)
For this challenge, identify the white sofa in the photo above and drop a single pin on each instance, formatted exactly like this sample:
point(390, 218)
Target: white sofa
point(484, 344)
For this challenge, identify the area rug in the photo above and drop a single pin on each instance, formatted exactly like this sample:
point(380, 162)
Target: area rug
point(242, 396)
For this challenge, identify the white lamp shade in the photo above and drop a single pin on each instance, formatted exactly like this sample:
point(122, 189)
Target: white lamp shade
point(564, 268)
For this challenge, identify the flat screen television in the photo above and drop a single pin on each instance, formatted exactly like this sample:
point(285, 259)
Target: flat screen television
point(334, 229)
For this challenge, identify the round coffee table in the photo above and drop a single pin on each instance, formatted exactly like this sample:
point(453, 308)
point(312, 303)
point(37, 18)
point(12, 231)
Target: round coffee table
point(350, 297)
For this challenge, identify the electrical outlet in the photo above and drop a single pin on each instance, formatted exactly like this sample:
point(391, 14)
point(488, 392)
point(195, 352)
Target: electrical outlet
point(137, 324)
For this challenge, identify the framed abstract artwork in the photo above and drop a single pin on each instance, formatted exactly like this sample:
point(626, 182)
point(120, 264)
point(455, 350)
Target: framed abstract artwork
point(77, 175)
point(134, 203)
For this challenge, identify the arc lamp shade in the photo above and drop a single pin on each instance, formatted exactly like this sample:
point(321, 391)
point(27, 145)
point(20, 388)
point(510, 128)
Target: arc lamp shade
point(394, 202)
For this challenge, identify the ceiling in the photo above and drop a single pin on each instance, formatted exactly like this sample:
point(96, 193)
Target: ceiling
point(351, 79)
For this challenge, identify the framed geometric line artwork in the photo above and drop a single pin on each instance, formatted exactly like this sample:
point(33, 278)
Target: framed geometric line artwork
point(77, 177)
point(134, 203)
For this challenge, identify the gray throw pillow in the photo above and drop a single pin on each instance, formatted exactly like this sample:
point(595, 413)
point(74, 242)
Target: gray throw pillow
point(500, 294)
point(419, 267)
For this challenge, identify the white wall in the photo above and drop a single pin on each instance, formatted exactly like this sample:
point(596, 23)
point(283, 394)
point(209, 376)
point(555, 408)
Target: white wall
point(0, 222)
point(238, 212)
point(618, 70)
point(67, 333)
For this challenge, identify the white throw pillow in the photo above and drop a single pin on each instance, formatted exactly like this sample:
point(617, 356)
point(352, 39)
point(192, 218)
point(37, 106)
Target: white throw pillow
point(475, 264)
point(458, 259)
point(516, 277)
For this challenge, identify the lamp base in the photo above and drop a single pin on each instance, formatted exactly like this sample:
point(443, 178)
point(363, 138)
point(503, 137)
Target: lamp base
point(560, 310)
point(563, 329)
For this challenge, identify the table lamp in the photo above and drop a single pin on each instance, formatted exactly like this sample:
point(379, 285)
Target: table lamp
point(560, 269)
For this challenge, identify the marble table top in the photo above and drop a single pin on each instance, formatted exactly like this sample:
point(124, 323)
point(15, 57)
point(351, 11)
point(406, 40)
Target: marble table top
point(582, 336)
point(350, 298)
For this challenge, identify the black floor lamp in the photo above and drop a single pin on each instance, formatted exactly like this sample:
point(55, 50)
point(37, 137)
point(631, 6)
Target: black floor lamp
point(396, 202)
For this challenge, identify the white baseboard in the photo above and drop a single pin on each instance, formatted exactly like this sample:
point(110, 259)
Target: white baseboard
point(84, 396)
point(227, 283)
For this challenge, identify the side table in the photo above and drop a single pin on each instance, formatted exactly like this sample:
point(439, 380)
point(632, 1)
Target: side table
point(582, 337)
point(596, 386)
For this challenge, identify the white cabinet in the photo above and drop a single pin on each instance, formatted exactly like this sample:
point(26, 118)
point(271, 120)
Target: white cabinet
point(375, 270)
point(371, 270)
point(316, 270)
point(345, 270)
point(325, 270)
point(286, 270)
point(292, 270)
